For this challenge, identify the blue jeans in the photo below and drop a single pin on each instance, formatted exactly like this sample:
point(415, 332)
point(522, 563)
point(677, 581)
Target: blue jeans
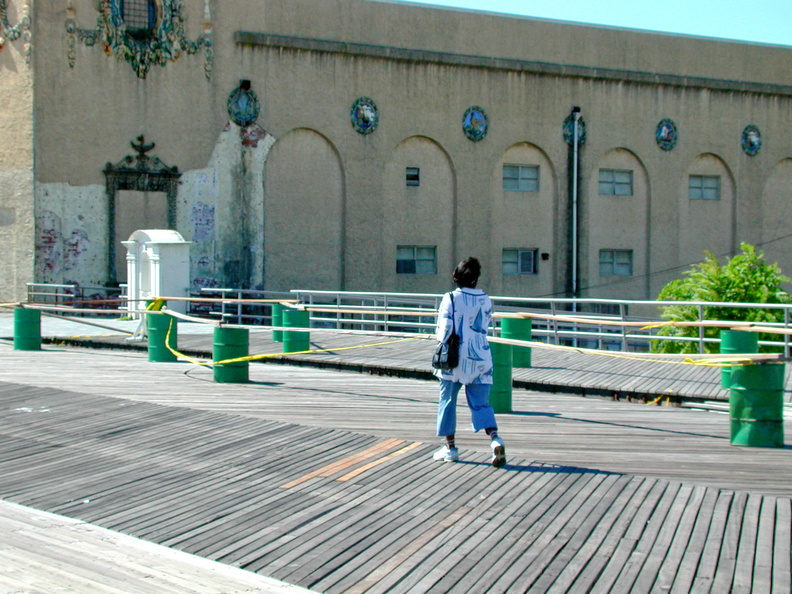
point(477, 400)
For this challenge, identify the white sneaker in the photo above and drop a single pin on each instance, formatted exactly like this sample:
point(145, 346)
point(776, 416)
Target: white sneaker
point(446, 454)
point(498, 452)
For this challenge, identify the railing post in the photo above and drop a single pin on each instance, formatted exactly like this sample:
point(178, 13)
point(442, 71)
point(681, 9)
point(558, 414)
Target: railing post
point(701, 328)
point(623, 315)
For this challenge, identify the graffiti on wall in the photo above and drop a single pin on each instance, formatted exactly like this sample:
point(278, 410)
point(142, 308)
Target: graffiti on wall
point(74, 247)
point(57, 252)
point(48, 246)
point(202, 219)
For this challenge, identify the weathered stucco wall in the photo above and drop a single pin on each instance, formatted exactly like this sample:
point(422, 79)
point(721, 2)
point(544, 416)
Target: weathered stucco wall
point(300, 199)
point(16, 164)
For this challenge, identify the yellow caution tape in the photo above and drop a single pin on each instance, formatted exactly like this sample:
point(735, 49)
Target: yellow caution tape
point(156, 305)
point(271, 355)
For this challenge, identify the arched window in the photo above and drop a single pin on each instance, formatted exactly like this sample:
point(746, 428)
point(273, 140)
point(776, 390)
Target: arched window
point(140, 17)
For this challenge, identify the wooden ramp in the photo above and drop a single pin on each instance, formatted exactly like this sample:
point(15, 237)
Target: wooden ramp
point(132, 447)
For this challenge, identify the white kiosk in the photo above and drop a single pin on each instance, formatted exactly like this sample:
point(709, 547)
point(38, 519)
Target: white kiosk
point(158, 265)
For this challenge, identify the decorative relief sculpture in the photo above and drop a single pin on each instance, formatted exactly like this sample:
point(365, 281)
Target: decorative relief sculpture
point(569, 132)
point(143, 33)
point(666, 134)
point(243, 105)
point(475, 123)
point(10, 32)
point(751, 140)
point(364, 115)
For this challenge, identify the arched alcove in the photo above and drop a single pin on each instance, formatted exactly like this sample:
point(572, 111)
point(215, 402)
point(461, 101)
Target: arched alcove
point(777, 216)
point(524, 251)
point(304, 218)
point(419, 187)
point(614, 226)
point(706, 209)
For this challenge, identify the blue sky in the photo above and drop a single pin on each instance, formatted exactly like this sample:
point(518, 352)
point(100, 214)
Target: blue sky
point(763, 21)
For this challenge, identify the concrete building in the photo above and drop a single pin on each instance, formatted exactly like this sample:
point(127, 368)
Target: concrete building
point(369, 145)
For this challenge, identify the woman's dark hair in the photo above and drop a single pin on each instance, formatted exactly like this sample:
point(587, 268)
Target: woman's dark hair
point(467, 273)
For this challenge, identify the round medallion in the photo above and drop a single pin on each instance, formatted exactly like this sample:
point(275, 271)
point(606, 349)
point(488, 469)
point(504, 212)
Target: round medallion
point(364, 115)
point(751, 140)
point(243, 106)
point(475, 123)
point(666, 134)
point(569, 132)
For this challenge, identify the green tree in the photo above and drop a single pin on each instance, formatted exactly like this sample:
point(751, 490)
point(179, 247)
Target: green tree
point(746, 278)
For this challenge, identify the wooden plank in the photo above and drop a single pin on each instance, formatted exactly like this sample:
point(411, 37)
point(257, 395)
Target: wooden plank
point(495, 507)
point(782, 572)
point(620, 556)
point(555, 557)
point(349, 549)
point(686, 572)
point(545, 528)
point(762, 579)
point(727, 560)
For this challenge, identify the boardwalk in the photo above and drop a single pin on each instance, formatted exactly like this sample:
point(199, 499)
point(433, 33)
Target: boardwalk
point(552, 370)
point(324, 479)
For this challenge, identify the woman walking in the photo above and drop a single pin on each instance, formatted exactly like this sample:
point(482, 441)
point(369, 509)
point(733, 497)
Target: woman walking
point(468, 311)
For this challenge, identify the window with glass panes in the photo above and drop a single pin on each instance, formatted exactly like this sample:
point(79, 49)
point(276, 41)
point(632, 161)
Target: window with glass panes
point(519, 261)
point(615, 182)
point(412, 259)
point(413, 176)
point(139, 16)
point(616, 262)
point(521, 178)
point(704, 187)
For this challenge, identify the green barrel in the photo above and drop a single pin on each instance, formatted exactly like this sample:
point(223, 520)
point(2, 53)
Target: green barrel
point(162, 331)
point(27, 329)
point(518, 329)
point(735, 342)
point(295, 342)
point(277, 321)
point(501, 392)
point(230, 343)
point(756, 405)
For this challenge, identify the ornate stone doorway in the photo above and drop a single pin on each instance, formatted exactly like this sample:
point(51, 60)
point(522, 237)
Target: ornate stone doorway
point(136, 179)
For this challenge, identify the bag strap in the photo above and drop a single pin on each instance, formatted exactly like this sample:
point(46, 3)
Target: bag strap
point(453, 312)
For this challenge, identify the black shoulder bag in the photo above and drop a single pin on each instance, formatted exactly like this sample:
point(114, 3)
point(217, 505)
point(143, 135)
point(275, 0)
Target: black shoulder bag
point(446, 354)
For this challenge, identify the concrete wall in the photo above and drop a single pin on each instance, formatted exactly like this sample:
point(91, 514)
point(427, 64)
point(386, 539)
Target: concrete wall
point(301, 200)
point(16, 165)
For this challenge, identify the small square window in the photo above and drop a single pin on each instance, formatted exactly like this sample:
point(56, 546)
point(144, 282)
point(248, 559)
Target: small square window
point(416, 259)
point(520, 178)
point(520, 261)
point(704, 187)
point(615, 182)
point(616, 262)
point(413, 176)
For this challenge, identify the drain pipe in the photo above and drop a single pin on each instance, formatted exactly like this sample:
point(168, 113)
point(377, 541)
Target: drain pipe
point(575, 160)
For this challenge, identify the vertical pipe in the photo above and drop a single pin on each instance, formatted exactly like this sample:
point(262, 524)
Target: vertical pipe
point(575, 157)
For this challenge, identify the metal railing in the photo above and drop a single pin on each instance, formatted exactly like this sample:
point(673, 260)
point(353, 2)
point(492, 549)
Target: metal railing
point(231, 310)
point(361, 311)
point(601, 336)
point(76, 297)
